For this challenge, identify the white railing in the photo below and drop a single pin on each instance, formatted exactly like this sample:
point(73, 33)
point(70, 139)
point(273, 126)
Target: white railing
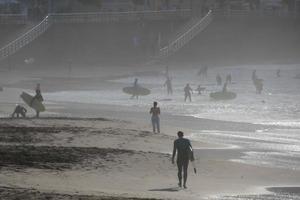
point(185, 37)
point(25, 39)
point(13, 19)
point(118, 16)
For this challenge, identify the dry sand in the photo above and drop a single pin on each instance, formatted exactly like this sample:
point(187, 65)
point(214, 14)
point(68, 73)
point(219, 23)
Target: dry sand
point(73, 158)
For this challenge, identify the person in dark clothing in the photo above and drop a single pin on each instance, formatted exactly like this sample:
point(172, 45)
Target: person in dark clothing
point(19, 110)
point(38, 96)
point(168, 83)
point(187, 92)
point(184, 149)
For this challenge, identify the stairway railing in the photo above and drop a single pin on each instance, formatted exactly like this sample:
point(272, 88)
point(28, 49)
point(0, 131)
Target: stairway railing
point(25, 39)
point(185, 37)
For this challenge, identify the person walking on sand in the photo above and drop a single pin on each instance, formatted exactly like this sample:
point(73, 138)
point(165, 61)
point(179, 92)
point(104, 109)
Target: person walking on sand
point(187, 92)
point(155, 112)
point(184, 149)
point(19, 110)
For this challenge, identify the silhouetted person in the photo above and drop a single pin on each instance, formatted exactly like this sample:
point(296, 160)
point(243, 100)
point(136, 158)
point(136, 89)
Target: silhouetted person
point(187, 92)
point(254, 77)
point(155, 112)
point(200, 89)
point(19, 110)
point(135, 85)
point(224, 87)
point(278, 73)
point(38, 96)
point(168, 83)
point(203, 71)
point(183, 148)
point(228, 78)
point(258, 83)
point(219, 79)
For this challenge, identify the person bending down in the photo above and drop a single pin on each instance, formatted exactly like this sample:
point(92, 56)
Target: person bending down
point(19, 110)
point(184, 149)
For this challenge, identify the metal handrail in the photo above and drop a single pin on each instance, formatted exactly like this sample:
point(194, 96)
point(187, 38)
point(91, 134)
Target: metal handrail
point(187, 36)
point(25, 39)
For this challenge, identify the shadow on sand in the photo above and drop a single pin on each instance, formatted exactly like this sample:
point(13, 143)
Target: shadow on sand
point(172, 189)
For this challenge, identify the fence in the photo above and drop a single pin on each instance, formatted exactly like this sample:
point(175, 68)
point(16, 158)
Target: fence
point(187, 36)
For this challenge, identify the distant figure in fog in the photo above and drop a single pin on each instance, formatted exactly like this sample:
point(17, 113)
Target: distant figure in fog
point(19, 110)
point(168, 83)
point(278, 73)
point(187, 92)
point(257, 82)
point(224, 87)
point(184, 150)
point(135, 85)
point(228, 78)
point(254, 77)
point(155, 112)
point(200, 89)
point(203, 71)
point(259, 85)
point(219, 79)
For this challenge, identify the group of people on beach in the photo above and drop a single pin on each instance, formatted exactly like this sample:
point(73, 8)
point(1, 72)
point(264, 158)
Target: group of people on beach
point(21, 110)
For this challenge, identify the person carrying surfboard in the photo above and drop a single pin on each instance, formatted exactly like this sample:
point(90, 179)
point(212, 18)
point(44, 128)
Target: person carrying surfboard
point(155, 111)
point(38, 96)
point(183, 148)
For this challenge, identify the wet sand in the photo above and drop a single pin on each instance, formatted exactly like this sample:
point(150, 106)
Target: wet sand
point(74, 158)
point(115, 155)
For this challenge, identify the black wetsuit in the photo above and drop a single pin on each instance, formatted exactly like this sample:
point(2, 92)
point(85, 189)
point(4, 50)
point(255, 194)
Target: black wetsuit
point(183, 148)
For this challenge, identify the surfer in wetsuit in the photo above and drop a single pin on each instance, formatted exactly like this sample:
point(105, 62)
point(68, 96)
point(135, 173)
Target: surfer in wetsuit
point(38, 96)
point(135, 85)
point(184, 151)
point(155, 111)
point(187, 92)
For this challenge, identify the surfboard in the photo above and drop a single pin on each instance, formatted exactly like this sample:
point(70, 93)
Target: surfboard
point(139, 91)
point(36, 104)
point(222, 95)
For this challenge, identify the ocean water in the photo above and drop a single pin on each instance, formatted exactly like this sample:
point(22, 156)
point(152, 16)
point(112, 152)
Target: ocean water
point(278, 105)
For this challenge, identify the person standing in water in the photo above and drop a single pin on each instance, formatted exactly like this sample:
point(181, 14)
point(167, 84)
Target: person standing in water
point(184, 149)
point(278, 73)
point(200, 89)
point(168, 83)
point(155, 112)
point(187, 92)
point(135, 86)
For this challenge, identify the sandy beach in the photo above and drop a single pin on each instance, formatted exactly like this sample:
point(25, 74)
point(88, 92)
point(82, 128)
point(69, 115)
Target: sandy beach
point(86, 151)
